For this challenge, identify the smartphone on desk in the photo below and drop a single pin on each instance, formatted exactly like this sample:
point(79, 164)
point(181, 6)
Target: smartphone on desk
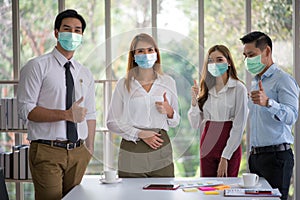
point(161, 187)
point(258, 192)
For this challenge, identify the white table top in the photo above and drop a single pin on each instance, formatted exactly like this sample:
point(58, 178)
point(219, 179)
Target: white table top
point(131, 189)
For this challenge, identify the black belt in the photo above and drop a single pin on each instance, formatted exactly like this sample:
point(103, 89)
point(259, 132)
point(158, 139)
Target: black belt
point(272, 148)
point(63, 144)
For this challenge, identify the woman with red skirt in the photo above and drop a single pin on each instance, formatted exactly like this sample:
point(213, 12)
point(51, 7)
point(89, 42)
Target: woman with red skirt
point(219, 109)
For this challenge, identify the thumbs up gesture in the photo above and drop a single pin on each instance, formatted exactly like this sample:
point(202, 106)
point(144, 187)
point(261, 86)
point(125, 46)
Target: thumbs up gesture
point(76, 112)
point(164, 107)
point(259, 96)
point(194, 92)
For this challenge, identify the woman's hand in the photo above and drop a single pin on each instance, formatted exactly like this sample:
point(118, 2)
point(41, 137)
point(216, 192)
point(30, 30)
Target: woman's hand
point(222, 168)
point(164, 107)
point(195, 92)
point(151, 138)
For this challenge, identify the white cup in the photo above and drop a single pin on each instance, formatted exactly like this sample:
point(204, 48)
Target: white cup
point(250, 179)
point(109, 175)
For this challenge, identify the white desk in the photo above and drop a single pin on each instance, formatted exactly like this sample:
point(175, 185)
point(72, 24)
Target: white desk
point(131, 189)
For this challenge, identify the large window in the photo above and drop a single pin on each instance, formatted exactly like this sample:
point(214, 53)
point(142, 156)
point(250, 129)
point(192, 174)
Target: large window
point(269, 18)
point(224, 24)
point(6, 53)
point(36, 28)
point(177, 38)
point(127, 17)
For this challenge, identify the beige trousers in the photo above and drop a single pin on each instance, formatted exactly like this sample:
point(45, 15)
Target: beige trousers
point(55, 171)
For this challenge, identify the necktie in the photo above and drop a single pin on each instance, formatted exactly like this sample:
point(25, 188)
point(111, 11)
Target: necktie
point(70, 98)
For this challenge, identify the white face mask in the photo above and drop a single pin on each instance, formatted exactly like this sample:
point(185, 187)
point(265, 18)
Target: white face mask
point(217, 69)
point(145, 61)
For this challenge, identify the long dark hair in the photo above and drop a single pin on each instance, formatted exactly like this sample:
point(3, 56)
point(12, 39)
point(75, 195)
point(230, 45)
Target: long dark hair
point(207, 80)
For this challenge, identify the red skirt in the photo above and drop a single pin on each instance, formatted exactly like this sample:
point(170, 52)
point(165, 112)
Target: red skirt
point(213, 141)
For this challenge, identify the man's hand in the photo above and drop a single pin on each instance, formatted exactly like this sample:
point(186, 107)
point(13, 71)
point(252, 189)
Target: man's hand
point(151, 138)
point(259, 97)
point(90, 148)
point(77, 113)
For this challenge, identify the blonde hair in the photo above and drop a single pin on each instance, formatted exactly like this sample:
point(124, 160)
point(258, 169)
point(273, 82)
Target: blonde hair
point(132, 67)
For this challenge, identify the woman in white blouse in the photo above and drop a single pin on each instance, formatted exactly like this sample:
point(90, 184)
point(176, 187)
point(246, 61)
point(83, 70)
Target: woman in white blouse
point(143, 107)
point(219, 108)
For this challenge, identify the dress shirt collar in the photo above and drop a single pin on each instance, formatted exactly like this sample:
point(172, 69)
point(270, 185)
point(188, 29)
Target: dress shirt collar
point(230, 84)
point(267, 73)
point(61, 59)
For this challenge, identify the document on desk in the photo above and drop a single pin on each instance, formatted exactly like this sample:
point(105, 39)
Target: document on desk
point(237, 192)
point(197, 183)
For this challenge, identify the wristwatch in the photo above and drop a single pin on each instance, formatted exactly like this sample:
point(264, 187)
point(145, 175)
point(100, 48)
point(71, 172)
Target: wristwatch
point(270, 103)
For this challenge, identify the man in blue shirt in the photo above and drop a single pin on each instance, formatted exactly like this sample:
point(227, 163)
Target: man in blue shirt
point(273, 109)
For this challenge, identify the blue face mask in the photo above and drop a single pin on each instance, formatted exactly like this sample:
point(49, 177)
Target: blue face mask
point(145, 61)
point(254, 65)
point(217, 69)
point(69, 41)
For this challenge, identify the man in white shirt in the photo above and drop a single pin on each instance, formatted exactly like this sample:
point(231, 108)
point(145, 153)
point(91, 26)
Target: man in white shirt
point(58, 157)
